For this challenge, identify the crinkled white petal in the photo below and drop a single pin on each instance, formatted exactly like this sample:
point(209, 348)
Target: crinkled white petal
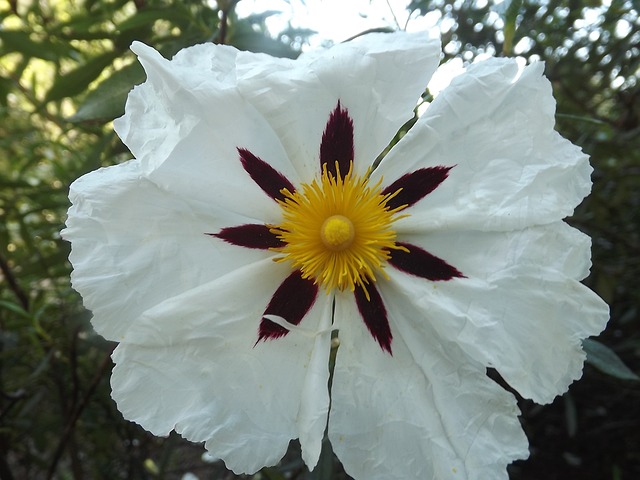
point(193, 112)
point(425, 412)
point(192, 364)
point(480, 254)
point(185, 125)
point(133, 245)
point(378, 78)
point(526, 321)
point(314, 403)
point(494, 126)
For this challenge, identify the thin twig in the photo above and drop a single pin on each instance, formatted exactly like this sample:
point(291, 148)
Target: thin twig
point(224, 20)
point(76, 414)
point(13, 283)
point(223, 27)
point(393, 14)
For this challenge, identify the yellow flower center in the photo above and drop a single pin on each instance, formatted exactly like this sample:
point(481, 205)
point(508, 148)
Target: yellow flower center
point(337, 233)
point(337, 230)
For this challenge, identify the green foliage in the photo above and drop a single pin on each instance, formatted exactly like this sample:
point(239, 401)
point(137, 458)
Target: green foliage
point(65, 72)
point(605, 360)
point(107, 100)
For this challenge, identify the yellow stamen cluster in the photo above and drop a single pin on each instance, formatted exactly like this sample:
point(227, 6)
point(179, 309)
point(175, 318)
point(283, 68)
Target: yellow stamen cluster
point(337, 230)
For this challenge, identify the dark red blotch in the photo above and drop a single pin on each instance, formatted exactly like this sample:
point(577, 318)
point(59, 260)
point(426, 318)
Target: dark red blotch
point(374, 314)
point(266, 177)
point(337, 142)
point(292, 300)
point(416, 185)
point(422, 264)
point(250, 236)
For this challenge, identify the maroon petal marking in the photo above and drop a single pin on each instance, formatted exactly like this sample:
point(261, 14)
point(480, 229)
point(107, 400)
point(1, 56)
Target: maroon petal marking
point(421, 263)
point(337, 142)
point(291, 301)
point(374, 315)
point(250, 236)
point(268, 178)
point(416, 185)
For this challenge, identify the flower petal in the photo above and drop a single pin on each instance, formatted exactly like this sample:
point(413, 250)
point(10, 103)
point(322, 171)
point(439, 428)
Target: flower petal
point(495, 124)
point(556, 246)
point(134, 245)
point(378, 78)
point(525, 321)
point(314, 404)
point(190, 364)
point(428, 411)
point(178, 125)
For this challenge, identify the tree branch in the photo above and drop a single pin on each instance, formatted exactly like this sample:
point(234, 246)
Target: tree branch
point(13, 283)
point(76, 414)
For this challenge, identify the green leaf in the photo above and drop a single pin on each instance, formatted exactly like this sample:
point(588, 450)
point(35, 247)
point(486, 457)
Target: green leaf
point(15, 308)
point(6, 87)
point(510, 19)
point(147, 17)
point(581, 118)
point(81, 27)
point(245, 39)
point(107, 100)
point(606, 360)
point(77, 80)
point(18, 41)
point(272, 474)
point(259, 18)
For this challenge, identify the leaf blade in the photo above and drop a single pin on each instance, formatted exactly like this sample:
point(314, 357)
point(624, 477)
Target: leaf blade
point(607, 361)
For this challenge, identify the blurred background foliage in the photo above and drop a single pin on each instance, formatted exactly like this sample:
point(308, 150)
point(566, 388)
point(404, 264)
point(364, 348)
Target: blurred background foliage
point(65, 71)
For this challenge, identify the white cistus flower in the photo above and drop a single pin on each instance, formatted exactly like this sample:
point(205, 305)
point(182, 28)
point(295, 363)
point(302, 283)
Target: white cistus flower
point(251, 227)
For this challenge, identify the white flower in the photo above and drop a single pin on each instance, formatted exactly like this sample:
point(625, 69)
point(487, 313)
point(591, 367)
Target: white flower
point(250, 227)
